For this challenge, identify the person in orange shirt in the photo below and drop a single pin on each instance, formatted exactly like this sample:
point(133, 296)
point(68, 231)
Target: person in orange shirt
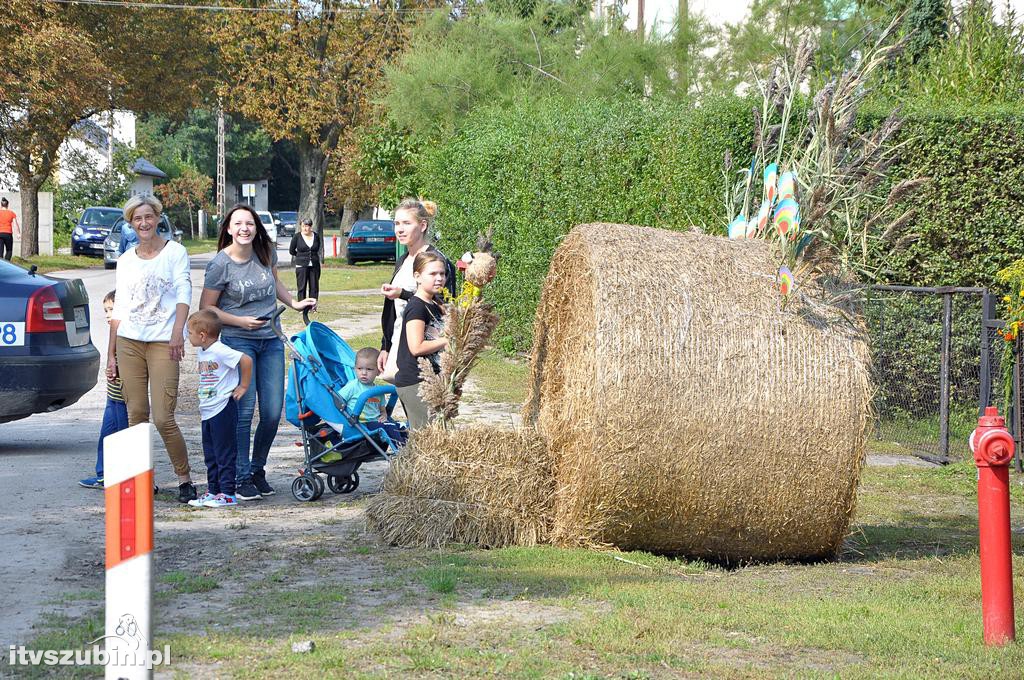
point(8, 226)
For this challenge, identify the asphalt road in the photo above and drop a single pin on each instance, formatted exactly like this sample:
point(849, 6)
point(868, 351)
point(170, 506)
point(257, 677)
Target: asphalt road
point(51, 526)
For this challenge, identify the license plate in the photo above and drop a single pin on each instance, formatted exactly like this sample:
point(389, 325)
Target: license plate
point(81, 320)
point(375, 239)
point(96, 246)
point(12, 333)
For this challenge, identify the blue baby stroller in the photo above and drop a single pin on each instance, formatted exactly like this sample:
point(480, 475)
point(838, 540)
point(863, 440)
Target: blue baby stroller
point(334, 442)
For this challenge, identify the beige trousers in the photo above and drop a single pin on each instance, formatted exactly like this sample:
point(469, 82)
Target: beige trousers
point(151, 388)
point(414, 406)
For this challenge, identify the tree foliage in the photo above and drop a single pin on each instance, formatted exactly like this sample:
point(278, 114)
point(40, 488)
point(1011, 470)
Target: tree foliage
point(186, 193)
point(88, 185)
point(496, 57)
point(978, 60)
point(307, 76)
point(64, 63)
point(175, 145)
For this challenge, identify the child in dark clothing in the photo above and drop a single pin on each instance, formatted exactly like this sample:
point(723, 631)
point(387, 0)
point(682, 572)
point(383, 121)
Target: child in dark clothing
point(224, 376)
point(422, 325)
point(115, 415)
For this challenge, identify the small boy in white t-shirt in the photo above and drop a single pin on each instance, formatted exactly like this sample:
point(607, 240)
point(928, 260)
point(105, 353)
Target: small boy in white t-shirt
point(224, 376)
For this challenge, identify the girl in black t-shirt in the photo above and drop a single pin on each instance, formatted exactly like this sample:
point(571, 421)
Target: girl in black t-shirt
point(422, 324)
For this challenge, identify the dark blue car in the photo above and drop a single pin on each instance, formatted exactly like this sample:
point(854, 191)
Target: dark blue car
point(92, 229)
point(47, 359)
point(371, 240)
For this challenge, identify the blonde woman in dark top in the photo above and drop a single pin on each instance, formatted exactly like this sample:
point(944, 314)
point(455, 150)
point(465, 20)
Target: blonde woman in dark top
point(305, 252)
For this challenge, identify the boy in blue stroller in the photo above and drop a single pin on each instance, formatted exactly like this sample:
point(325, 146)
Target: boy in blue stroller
point(343, 425)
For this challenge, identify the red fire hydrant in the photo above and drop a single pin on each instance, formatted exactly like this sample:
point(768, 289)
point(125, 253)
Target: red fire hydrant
point(992, 446)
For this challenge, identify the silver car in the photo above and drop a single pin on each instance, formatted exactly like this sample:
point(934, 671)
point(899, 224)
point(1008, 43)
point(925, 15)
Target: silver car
point(112, 244)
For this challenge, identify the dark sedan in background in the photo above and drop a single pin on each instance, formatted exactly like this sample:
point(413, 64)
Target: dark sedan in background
point(371, 240)
point(47, 359)
point(287, 222)
point(92, 229)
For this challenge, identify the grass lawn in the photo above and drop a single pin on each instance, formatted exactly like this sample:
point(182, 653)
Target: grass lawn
point(200, 245)
point(344, 277)
point(903, 600)
point(56, 263)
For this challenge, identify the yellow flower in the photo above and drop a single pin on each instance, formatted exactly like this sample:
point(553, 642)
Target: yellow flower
point(1006, 298)
point(1022, 292)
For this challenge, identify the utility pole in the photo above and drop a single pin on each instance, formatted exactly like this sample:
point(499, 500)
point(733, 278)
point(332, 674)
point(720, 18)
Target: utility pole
point(640, 20)
point(683, 45)
point(221, 172)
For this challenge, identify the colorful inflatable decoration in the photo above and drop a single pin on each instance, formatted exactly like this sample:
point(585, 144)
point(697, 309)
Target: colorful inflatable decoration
point(787, 186)
point(787, 218)
point(786, 281)
point(738, 228)
point(771, 174)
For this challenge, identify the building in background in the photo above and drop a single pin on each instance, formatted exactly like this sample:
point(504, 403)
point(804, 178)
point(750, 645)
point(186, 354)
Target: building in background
point(254, 192)
point(145, 173)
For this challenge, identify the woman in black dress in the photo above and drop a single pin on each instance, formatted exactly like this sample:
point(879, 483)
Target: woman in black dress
point(305, 251)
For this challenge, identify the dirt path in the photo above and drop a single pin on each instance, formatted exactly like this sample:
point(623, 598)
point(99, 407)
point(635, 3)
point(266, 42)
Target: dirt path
point(54, 531)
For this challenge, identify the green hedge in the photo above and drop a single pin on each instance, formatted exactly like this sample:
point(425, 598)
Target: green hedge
point(971, 221)
point(537, 170)
point(534, 172)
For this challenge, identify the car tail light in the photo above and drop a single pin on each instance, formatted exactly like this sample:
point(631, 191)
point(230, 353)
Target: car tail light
point(356, 239)
point(389, 239)
point(45, 314)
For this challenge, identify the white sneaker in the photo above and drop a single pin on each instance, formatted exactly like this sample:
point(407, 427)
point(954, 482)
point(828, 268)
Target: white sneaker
point(221, 500)
point(199, 502)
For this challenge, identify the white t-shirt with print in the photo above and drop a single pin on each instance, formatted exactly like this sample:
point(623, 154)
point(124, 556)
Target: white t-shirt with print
point(149, 291)
point(218, 377)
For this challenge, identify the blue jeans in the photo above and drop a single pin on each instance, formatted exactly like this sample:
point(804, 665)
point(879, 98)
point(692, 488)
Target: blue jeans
point(221, 450)
point(267, 386)
point(115, 419)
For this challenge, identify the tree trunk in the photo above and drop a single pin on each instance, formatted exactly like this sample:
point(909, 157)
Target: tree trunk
point(30, 186)
point(348, 217)
point(312, 174)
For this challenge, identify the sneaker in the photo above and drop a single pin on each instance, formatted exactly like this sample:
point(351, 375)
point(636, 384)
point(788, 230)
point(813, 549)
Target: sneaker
point(187, 492)
point(259, 480)
point(221, 500)
point(91, 483)
point(247, 491)
point(199, 502)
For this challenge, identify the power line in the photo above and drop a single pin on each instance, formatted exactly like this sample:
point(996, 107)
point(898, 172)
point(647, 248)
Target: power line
point(138, 4)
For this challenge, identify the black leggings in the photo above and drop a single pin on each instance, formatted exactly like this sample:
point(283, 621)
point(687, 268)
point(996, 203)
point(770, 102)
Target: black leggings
point(308, 276)
point(6, 246)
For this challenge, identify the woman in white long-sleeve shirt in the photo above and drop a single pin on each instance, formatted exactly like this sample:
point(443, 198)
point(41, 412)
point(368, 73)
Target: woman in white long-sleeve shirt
point(147, 339)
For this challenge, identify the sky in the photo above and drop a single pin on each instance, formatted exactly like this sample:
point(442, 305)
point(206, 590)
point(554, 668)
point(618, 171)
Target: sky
point(732, 11)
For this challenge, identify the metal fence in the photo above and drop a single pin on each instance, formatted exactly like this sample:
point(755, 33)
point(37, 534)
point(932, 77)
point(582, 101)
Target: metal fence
point(937, 363)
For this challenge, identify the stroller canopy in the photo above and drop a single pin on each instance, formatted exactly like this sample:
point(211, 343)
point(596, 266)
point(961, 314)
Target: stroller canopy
point(326, 363)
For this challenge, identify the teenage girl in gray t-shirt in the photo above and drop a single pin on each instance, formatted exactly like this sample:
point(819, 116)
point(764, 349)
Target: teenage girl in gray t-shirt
point(242, 287)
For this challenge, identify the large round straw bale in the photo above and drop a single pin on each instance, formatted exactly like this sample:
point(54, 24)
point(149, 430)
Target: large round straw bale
point(481, 485)
point(687, 410)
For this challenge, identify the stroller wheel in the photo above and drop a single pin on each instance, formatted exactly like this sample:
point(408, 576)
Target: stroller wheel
point(320, 488)
point(304, 489)
point(343, 484)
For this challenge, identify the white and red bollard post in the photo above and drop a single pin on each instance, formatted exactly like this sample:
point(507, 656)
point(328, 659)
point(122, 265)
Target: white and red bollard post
point(992, 446)
point(128, 481)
